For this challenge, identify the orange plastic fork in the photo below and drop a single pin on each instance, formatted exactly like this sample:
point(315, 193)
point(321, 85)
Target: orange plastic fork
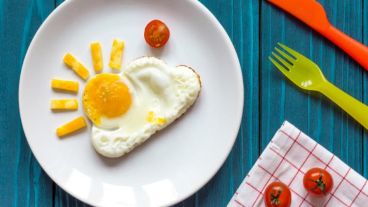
point(312, 13)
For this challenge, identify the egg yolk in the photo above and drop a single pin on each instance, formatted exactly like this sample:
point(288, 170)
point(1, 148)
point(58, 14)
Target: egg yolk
point(105, 95)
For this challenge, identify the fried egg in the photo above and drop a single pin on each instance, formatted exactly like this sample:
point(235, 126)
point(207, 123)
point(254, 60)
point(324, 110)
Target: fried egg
point(128, 108)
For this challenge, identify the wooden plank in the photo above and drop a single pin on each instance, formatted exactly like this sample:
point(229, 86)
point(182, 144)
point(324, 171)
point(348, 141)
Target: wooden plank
point(312, 113)
point(240, 19)
point(58, 2)
point(365, 88)
point(22, 181)
point(63, 199)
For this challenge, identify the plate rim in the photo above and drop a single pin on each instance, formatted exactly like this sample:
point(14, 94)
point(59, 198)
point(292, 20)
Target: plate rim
point(240, 83)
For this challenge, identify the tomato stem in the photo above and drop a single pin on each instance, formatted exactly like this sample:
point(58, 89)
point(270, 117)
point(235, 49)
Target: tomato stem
point(319, 184)
point(275, 199)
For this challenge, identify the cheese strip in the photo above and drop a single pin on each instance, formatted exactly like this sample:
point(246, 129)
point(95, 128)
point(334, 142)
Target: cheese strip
point(64, 104)
point(116, 54)
point(65, 85)
point(96, 53)
point(71, 127)
point(76, 66)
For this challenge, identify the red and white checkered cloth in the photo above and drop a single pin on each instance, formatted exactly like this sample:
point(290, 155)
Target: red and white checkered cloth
point(286, 158)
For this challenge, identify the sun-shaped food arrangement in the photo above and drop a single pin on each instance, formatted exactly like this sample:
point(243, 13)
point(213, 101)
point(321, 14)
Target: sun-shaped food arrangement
point(128, 107)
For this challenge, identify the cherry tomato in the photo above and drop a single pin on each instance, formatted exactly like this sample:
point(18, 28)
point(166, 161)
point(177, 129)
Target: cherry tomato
point(277, 194)
point(318, 181)
point(156, 33)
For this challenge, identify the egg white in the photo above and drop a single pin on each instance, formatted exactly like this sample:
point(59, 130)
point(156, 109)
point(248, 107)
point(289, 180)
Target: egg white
point(155, 87)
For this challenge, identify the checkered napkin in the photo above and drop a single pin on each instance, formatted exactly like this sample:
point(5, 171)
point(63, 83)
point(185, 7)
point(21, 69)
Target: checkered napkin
point(286, 158)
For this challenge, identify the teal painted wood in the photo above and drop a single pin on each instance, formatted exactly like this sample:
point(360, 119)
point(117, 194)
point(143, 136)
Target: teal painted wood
point(312, 113)
point(58, 2)
point(365, 87)
point(254, 27)
point(22, 181)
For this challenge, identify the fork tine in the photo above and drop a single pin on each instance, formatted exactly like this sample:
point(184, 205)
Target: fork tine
point(278, 66)
point(286, 64)
point(288, 57)
point(291, 51)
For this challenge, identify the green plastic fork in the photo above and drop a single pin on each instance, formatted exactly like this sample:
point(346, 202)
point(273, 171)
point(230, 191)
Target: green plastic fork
point(307, 75)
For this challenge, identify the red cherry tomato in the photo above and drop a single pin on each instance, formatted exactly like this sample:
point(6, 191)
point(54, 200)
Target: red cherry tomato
point(156, 33)
point(318, 181)
point(277, 194)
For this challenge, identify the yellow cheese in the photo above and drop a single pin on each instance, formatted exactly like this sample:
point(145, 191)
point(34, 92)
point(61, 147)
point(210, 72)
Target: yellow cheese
point(64, 104)
point(96, 53)
point(76, 66)
point(116, 54)
point(65, 85)
point(71, 127)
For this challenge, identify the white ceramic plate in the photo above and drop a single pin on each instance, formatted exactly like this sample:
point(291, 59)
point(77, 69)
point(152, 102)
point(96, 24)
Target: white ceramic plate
point(174, 163)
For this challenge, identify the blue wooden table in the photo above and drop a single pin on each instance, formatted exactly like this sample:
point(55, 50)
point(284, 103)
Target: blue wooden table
point(254, 27)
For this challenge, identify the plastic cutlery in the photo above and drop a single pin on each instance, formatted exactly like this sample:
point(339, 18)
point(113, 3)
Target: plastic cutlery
point(307, 75)
point(312, 13)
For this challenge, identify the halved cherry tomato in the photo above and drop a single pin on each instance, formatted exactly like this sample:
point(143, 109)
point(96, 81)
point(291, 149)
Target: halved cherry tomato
point(318, 181)
point(156, 33)
point(277, 194)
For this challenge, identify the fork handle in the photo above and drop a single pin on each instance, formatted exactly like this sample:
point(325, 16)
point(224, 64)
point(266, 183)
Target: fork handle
point(355, 49)
point(355, 108)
